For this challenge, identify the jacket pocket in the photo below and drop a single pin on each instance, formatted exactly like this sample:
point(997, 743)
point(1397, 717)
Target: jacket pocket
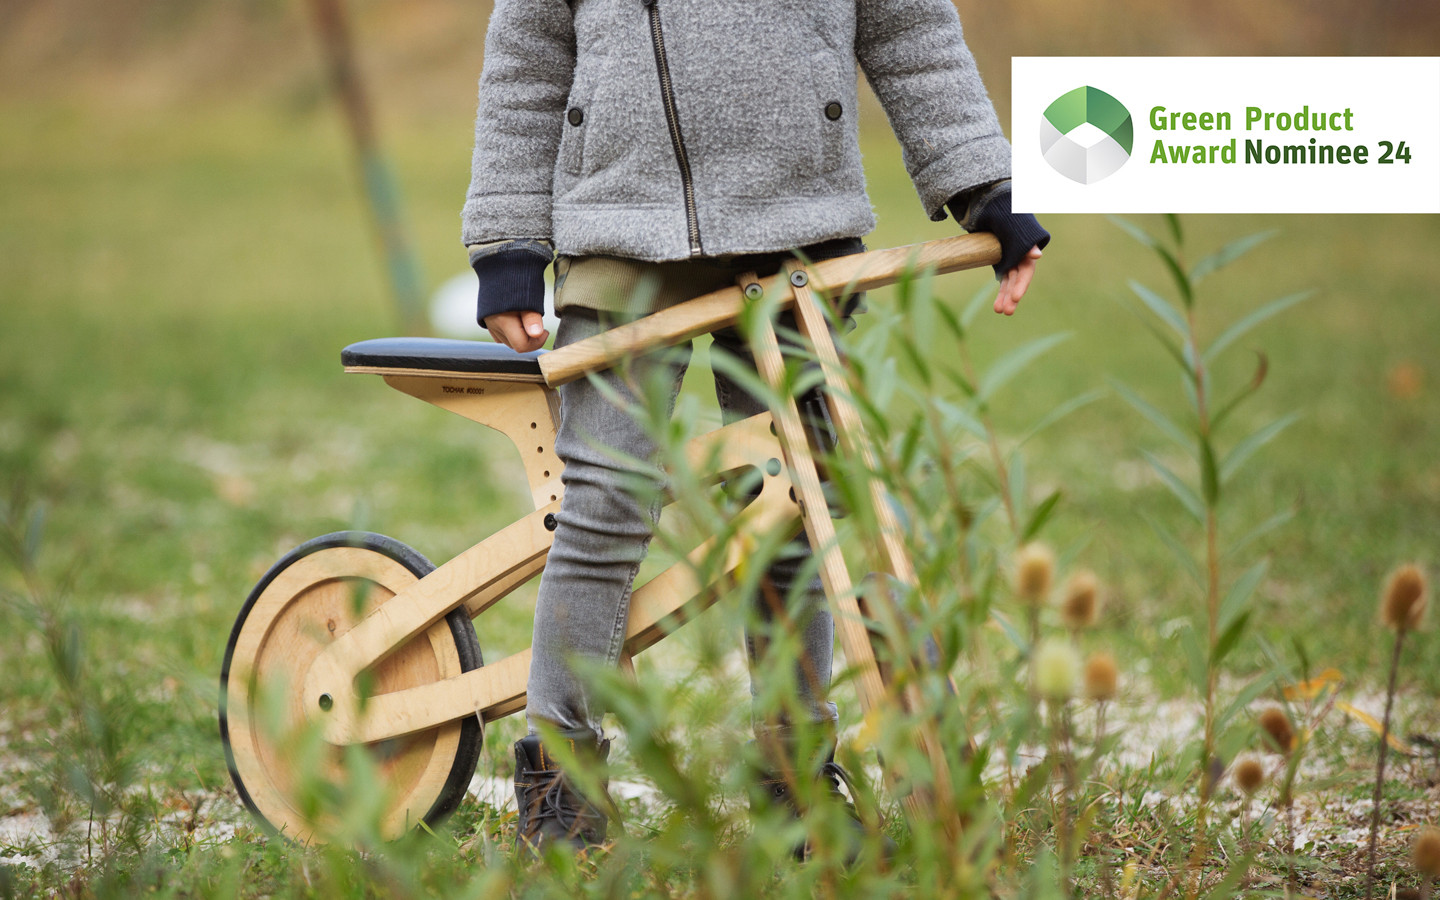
point(572, 138)
point(834, 108)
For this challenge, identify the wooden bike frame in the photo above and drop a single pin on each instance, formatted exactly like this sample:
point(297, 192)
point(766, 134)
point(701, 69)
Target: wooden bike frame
point(523, 407)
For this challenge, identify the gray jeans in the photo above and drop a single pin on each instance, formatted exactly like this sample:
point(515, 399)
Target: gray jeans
point(603, 531)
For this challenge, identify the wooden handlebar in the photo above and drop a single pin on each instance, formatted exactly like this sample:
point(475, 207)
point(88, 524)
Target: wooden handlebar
point(721, 309)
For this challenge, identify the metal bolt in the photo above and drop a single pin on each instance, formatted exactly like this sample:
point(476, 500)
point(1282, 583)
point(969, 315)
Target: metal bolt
point(799, 278)
point(326, 701)
point(753, 291)
point(550, 522)
point(772, 467)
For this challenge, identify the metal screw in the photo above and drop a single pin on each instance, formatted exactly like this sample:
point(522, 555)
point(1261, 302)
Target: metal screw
point(799, 278)
point(326, 701)
point(772, 466)
point(753, 291)
point(550, 522)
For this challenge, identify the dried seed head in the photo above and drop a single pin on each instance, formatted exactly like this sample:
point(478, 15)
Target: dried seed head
point(1034, 573)
point(1081, 606)
point(1057, 669)
point(1426, 852)
point(1403, 601)
point(1279, 735)
point(1102, 676)
point(1249, 774)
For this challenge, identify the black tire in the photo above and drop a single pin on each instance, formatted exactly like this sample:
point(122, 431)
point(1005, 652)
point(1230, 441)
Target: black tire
point(461, 631)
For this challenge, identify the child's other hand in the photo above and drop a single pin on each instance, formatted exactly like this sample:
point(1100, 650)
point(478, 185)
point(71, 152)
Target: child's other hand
point(1015, 282)
point(522, 330)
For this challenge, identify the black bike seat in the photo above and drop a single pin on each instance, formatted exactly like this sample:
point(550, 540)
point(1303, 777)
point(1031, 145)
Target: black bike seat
point(441, 355)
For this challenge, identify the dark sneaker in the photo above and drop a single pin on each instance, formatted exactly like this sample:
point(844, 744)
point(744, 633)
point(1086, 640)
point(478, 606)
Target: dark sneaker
point(552, 811)
point(832, 785)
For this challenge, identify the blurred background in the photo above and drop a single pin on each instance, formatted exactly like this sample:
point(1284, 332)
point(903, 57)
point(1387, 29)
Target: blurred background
point(186, 245)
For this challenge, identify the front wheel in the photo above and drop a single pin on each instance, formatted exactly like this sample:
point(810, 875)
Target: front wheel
point(313, 595)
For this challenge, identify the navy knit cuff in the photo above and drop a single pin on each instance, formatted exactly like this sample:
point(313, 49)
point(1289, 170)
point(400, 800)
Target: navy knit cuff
point(512, 279)
point(1017, 232)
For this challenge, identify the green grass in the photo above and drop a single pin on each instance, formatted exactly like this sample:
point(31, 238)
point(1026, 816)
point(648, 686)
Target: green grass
point(175, 287)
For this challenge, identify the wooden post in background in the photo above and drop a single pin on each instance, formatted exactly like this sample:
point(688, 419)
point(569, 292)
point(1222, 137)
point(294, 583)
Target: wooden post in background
point(380, 189)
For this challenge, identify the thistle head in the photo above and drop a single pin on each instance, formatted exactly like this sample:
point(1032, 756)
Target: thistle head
point(1081, 606)
point(1279, 734)
point(1426, 852)
point(1402, 603)
point(1034, 573)
point(1057, 669)
point(1102, 676)
point(1249, 775)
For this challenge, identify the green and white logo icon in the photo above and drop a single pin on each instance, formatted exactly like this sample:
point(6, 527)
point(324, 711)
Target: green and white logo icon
point(1086, 135)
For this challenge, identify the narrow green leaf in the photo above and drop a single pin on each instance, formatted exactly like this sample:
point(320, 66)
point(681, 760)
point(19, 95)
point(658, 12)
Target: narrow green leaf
point(1163, 309)
point(955, 415)
point(1195, 657)
point(1155, 416)
point(1011, 364)
point(1247, 696)
point(1188, 386)
point(1260, 530)
point(1165, 340)
point(1228, 254)
point(1229, 638)
point(1174, 222)
point(34, 534)
point(1135, 231)
point(916, 358)
point(1181, 553)
point(1015, 473)
point(1177, 274)
point(978, 301)
point(1279, 667)
point(1246, 448)
point(1234, 332)
point(1237, 599)
point(1209, 477)
point(1061, 412)
point(1262, 367)
point(1180, 489)
point(1009, 631)
point(960, 381)
point(1039, 517)
point(952, 321)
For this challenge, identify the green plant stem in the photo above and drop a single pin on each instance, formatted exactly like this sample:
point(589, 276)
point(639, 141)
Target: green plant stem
point(1000, 471)
point(1380, 761)
point(1059, 752)
point(1212, 615)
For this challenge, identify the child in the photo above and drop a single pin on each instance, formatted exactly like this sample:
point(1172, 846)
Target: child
point(680, 143)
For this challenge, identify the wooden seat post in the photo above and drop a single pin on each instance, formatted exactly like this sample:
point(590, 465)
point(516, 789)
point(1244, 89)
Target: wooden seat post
point(526, 412)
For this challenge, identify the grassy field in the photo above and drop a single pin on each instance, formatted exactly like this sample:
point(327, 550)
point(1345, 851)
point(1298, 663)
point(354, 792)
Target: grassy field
point(174, 292)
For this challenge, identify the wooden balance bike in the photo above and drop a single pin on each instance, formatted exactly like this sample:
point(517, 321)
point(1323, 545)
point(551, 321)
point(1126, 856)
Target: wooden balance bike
point(365, 640)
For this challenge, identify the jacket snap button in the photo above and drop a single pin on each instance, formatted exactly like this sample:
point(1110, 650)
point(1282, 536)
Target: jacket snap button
point(833, 110)
point(576, 115)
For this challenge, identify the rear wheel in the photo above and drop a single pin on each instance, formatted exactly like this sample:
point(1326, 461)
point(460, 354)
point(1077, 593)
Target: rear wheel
point(315, 594)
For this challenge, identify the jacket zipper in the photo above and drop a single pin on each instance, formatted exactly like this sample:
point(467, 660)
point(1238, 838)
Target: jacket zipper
point(672, 119)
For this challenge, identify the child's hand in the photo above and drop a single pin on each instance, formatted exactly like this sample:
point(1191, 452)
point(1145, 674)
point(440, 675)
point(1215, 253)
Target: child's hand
point(1015, 282)
point(522, 331)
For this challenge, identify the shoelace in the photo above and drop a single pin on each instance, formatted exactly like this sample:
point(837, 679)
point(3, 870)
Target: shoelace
point(552, 803)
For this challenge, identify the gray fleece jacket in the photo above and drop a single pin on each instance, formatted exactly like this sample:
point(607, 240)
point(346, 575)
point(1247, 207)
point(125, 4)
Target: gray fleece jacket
point(665, 129)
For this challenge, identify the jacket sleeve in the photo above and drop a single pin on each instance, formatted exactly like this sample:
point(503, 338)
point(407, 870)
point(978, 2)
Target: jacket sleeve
point(529, 64)
point(913, 53)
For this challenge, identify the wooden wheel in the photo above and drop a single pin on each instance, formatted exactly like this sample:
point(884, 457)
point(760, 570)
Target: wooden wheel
point(316, 593)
